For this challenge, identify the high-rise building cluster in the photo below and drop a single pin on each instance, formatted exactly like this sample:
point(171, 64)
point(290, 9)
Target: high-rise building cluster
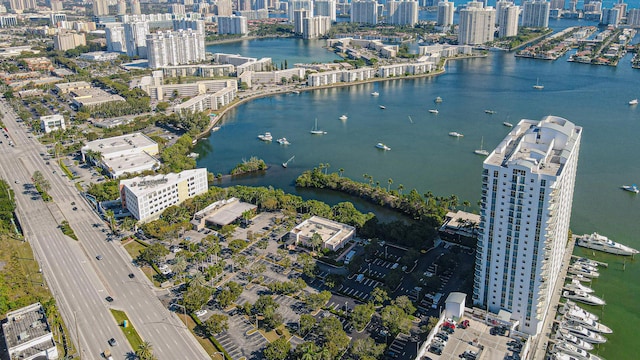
point(64, 41)
point(21, 5)
point(526, 201)
point(364, 11)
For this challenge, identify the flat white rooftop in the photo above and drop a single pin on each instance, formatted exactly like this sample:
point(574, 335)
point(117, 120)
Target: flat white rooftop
point(332, 232)
point(119, 144)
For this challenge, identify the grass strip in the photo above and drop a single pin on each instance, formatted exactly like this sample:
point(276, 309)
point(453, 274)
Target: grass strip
point(129, 332)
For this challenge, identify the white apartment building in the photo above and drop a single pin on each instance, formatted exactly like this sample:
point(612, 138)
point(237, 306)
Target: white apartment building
point(175, 48)
point(508, 20)
point(315, 27)
point(27, 334)
point(51, 123)
point(477, 24)
point(295, 5)
point(135, 34)
point(535, 13)
point(208, 101)
point(364, 11)
point(20, 5)
point(146, 197)
point(446, 10)
point(611, 16)
point(298, 18)
point(232, 25)
point(402, 12)
point(325, 8)
point(527, 195)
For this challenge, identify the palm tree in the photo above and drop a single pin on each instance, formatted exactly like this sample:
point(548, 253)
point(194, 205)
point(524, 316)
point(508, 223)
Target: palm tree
point(111, 216)
point(340, 172)
point(198, 280)
point(145, 351)
point(400, 188)
point(365, 176)
point(466, 204)
point(326, 168)
point(390, 181)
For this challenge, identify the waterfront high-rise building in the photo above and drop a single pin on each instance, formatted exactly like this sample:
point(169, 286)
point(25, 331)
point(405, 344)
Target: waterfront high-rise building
point(364, 11)
point(445, 13)
point(508, 20)
point(298, 17)
point(535, 13)
point(175, 48)
point(20, 5)
point(114, 32)
point(295, 5)
point(314, 27)
point(100, 7)
point(527, 195)
point(325, 8)
point(224, 8)
point(477, 25)
point(232, 25)
point(135, 7)
point(402, 12)
point(611, 16)
point(556, 4)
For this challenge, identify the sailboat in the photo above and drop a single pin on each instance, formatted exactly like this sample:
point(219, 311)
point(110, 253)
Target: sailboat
point(481, 151)
point(286, 163)
point(537, 86)
point(315, 130)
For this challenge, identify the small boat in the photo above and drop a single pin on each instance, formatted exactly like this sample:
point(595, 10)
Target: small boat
point(438, 100)
point(481, 151)
point(315, 130)
point(382, 146)
point(567, 337)
point(455, 134)
point(633, 102)
point(580, 278)
point(433, 111)
point(343, 117)
point(576, 285)
point(602, 243)
point(265, 137)
point(584, 334)
point(193, 155)
point(286, 163)
point(215, 128)
point(375, 93)
point(296, 92)
point(538, 86)
point(586, 261)
point(283, 141)
point(583, 297)
point(631, 188)
point(507, 124)
point(573, 352)
point(382, 107)
point(490, 112)
point(581, 270)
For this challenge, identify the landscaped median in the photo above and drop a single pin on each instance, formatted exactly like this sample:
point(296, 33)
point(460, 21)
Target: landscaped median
point(129, 331)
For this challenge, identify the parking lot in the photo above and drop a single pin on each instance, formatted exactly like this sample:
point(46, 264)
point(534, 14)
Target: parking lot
point(236, 341)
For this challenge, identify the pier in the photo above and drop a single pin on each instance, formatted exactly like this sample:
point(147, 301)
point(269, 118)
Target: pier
point(600, 263)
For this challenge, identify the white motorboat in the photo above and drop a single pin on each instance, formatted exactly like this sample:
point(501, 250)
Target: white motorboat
point(283, 141)
point(382, 107)
point(437, 100)
point(589, 324)
point(375, 93)
point(481, 151)
point(382, 146)
point(265, 137)
point(633, 102)
point(575, 352)
point(583, 297)
point(599, 242)
point(566, 336)
point(576, 285)
point(631, 188)
point(583, 333)
point(577, 311)
point(455, 134)
point(580, 278)
point(316, 131)
point(581, 270)
point(538, 86)
point(286, 163)
point(507, 124)
point(490, 112)
point(586, 261)
point(343, 117)
point(433, 111)
point(215, 128)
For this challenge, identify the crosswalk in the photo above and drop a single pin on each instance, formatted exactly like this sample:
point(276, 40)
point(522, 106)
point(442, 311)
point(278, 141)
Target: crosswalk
point(237, 343)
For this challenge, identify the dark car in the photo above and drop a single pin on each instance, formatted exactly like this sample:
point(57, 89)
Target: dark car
point(75, 208)
point(113, 342)
point(109, 299)
point(132, 275)
point(99, 257)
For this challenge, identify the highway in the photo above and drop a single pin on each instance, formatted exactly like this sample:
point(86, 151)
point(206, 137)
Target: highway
point(79, 281)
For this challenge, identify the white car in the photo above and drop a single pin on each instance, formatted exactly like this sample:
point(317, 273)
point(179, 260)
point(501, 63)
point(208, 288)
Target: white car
point(200, 313)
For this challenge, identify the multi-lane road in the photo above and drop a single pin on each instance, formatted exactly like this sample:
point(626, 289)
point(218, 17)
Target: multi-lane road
point(79, 281)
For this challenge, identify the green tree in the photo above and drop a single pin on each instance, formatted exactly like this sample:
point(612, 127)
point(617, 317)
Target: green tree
point(379, 296)
point(216, 324)
point(315, 241)
point(366, 349)
point(361, 315)
point(307, 322)
point(152, 254)
point(145, 351)
point(405, 304)
point(195, 297)
point(277, 350)
point(264, 304)
point(395, 319)
point(334, 340)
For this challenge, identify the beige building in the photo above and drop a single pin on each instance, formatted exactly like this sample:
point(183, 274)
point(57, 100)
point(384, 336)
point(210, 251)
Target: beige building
point(334, 234)
point(65, 88)
point(68, 40)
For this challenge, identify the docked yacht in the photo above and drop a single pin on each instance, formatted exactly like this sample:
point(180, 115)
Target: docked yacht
point(583, 297)
point(265, 137)
point(571, 307)
point(599, 242)
point(586, 261)
point(283, 141)
point(574, 352)
point(565, 336)
point(576, 285)
point(583, 333)
point(581, 270)
point(588, 324)
point(507, 124)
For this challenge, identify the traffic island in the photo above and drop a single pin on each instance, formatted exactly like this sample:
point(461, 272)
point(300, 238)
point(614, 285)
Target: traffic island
point(127, 328)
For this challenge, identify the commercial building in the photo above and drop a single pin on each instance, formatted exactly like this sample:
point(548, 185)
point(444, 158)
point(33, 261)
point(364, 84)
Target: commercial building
point(27, 334)
point(148, 196)
point(477, 24)
point(402, 12)
point(334, 234)
point(118, 155)
point(221, 213)
point(51, 123)
point(232, 25)
point(527, 195)
point(364, 12)
point(535, 14)
point(175, 48)
point(93, 97)
point(445, 13)
point(66, 88)
point(507, 19)
point(99, 56)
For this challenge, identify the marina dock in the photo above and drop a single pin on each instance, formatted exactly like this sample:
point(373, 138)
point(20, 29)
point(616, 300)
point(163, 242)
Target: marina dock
point(600, 263)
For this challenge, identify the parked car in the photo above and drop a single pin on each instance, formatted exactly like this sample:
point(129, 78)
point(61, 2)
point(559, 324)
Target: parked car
point(200, 313)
